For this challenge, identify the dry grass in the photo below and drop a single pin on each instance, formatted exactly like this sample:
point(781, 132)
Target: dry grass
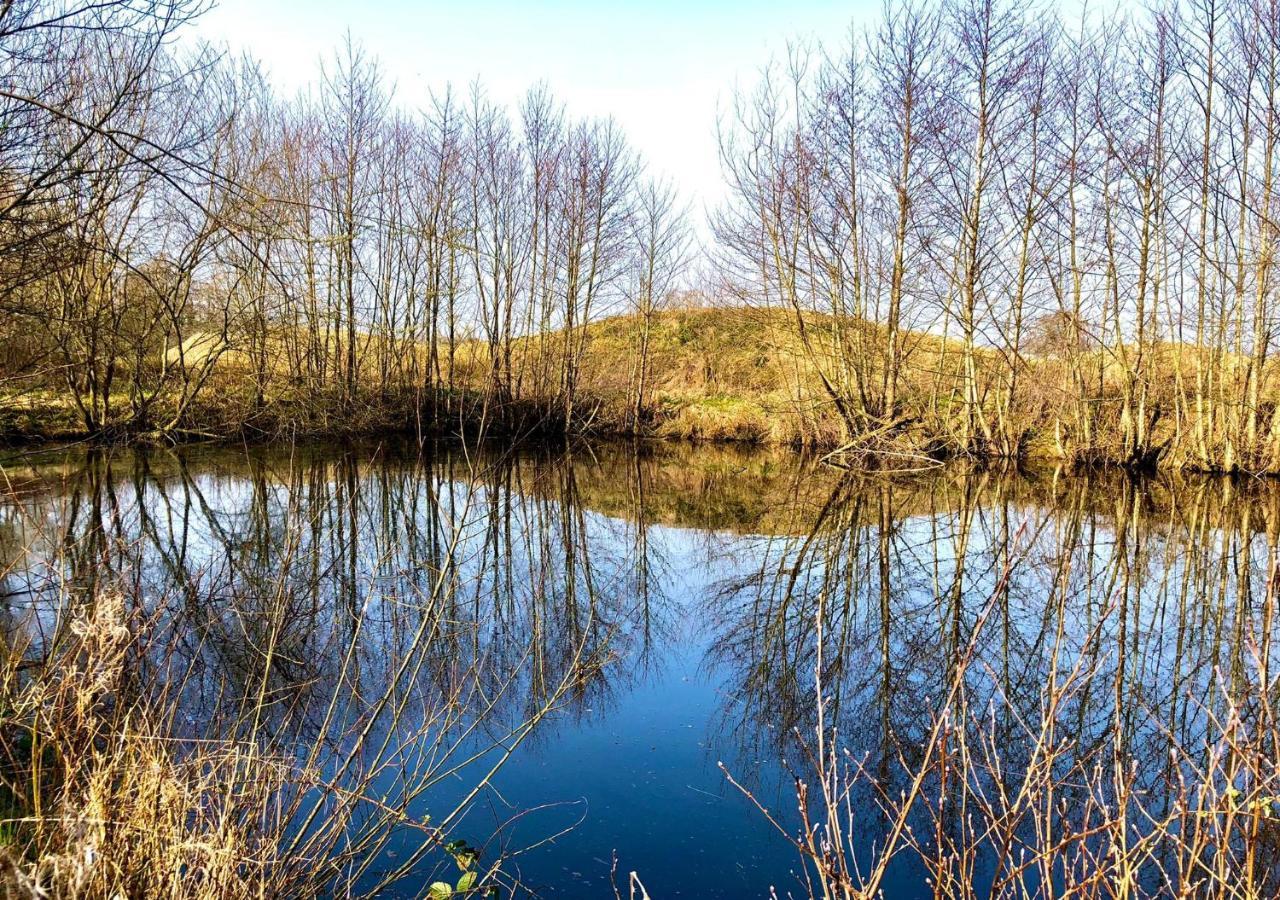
point(104, 804)
point(720, 374)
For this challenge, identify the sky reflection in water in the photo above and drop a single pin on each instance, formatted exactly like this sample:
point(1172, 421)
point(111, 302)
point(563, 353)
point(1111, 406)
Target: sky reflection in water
point(690, 579)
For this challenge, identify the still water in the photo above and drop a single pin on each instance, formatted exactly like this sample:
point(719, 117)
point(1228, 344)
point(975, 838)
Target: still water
point(598, 628)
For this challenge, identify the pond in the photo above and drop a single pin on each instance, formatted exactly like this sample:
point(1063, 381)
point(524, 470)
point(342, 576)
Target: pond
point(595, 635)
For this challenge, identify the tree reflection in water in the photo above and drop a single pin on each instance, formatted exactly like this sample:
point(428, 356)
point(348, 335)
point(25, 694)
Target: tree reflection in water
point(398, 621)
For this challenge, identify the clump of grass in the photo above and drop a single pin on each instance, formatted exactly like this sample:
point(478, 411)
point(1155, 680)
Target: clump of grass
point(102, 803)
point(717, 418)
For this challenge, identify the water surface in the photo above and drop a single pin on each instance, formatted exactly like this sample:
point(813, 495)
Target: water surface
point(673, 605)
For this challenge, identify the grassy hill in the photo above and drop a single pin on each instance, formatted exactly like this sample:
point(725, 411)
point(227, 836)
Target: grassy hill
point(716, 374)
point(739, 373)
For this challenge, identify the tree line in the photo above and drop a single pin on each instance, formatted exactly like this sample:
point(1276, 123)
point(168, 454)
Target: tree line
point(994, 232)
point(168, 218)
point(1009, 228)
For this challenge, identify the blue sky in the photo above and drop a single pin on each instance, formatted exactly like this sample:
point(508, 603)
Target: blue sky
point(662, 69)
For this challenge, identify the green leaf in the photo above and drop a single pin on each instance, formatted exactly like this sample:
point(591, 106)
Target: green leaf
point(439, 890)
point(467, 882)
point(463, 854)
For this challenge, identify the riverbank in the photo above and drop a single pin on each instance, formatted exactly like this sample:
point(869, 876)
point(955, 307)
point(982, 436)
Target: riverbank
point(703, 374)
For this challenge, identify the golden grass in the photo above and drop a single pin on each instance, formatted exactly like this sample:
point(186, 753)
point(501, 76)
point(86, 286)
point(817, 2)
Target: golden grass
point(103, 802)
point(721, 374)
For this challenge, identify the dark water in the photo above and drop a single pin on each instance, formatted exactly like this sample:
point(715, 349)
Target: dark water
point(670, 604)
